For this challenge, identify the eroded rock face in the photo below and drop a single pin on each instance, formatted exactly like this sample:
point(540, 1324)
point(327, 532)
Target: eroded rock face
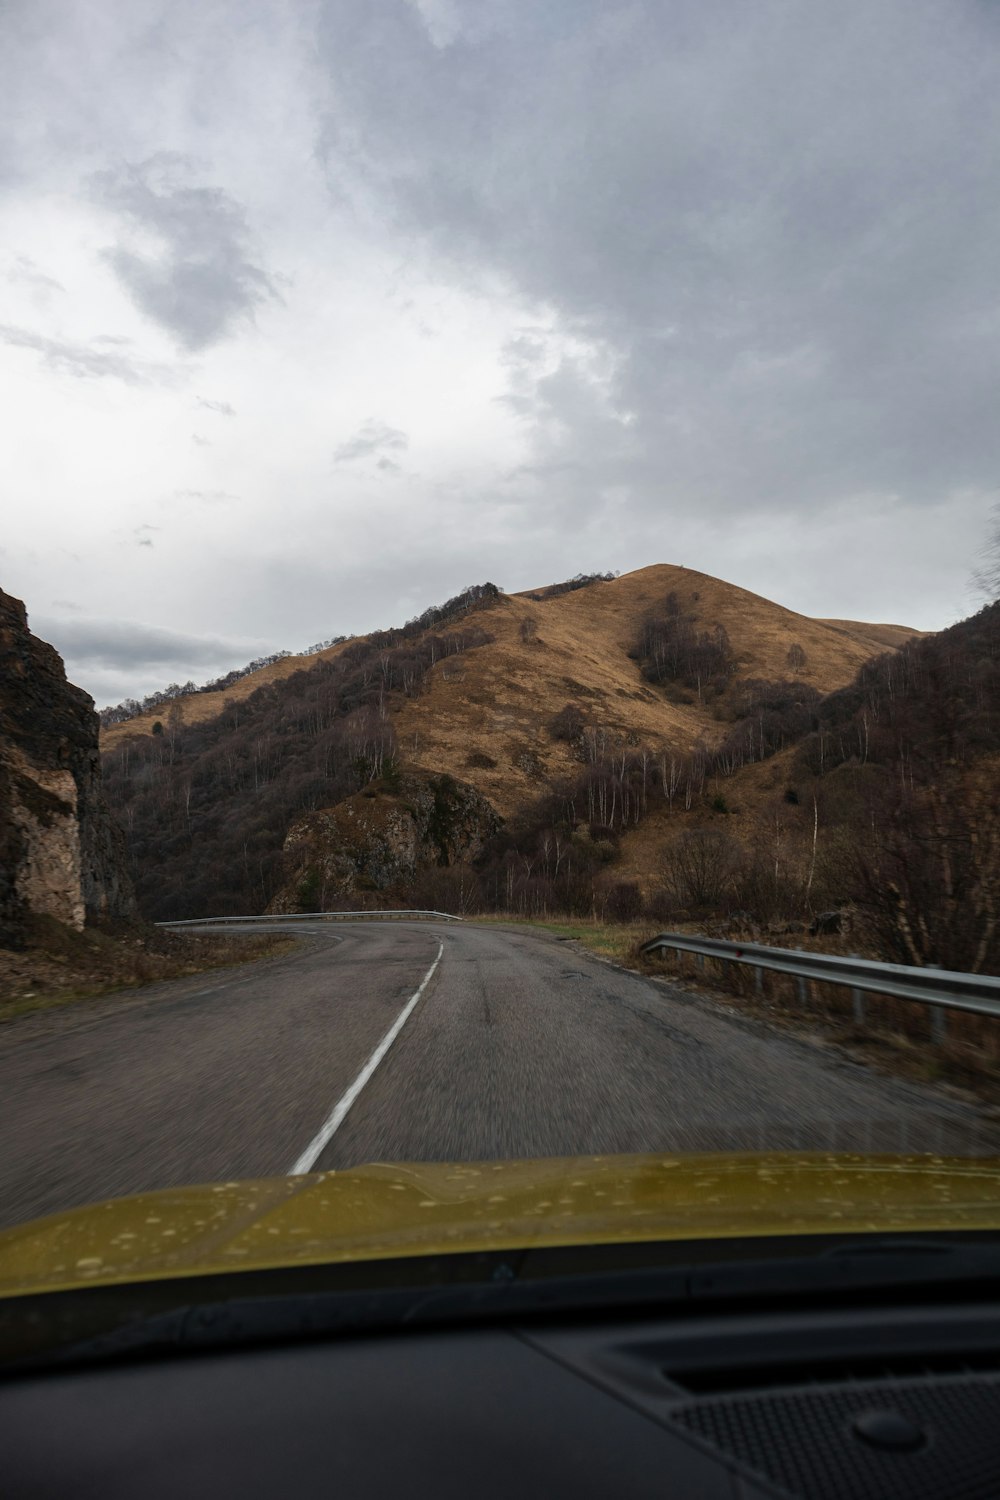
point(377, 840)
point(61, 853)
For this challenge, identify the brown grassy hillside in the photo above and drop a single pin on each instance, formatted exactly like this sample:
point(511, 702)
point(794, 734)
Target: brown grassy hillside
point(580, 653)
point(875, 638)
point(568, 705)
point(197, 708)
point(485, 718)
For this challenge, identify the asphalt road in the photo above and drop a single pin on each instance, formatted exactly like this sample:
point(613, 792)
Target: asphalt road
point(518, 1046)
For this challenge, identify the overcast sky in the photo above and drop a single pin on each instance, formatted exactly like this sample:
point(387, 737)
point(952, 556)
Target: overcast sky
point(313, 313)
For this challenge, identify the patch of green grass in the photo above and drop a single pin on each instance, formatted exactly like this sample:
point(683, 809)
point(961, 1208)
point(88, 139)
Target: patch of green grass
point(23, 1005)
point(616, 941)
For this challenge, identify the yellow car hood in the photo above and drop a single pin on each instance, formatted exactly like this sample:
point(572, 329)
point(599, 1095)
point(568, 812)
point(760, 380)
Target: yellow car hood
point(387, 1211)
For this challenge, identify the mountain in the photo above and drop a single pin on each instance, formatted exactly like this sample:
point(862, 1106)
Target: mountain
point(570, 711)
point(596, 623)
point(488, 719)
point(63, 854)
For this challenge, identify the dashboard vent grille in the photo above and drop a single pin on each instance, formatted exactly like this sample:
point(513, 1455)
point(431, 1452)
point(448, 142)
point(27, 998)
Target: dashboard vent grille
point(837, 1370)
point(806, 1441)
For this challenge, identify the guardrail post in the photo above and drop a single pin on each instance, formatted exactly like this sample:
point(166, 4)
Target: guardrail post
point(802, 988)
point(758, 981)
point(858, 1002)
point(939, 1020)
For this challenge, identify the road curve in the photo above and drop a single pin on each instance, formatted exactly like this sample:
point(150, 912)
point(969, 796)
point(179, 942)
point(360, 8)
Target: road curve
point(518, 1046)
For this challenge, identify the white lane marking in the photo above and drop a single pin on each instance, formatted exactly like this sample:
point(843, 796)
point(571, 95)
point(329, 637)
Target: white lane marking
point(337, 1116)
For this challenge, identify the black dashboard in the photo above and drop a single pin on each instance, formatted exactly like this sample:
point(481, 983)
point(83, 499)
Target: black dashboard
point(847, 1399)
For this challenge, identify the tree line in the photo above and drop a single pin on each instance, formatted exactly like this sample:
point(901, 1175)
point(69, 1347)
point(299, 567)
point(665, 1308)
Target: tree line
point(132, 708)
point(471, 598)
point(570, 585)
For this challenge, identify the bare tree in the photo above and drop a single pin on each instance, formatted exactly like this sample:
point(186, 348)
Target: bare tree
point(702, 866)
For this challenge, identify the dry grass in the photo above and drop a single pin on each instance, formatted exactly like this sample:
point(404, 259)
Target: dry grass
point(496, 703)
point(195, 708)
point(878, 637)
point(61, 967)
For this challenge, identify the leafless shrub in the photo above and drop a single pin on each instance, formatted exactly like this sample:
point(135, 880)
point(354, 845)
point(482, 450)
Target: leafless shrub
point(624, 902)
point(702, 868)
point(568, 724)
point(767, 890)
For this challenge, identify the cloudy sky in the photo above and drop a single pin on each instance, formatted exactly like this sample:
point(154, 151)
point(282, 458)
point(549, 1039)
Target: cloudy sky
point(313, 313)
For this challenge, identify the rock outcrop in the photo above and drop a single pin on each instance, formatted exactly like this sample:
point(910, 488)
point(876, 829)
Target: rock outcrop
point(379, 839)
point(61, 853)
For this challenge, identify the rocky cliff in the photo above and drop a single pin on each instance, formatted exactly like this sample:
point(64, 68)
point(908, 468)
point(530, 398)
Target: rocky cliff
point(61, 853)
point(379, 839)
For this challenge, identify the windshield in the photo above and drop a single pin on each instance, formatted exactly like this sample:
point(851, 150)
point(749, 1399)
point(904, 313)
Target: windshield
point(500, 640)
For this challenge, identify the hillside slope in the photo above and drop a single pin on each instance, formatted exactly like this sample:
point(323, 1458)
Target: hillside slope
point(198, 708)
point(498, 703)
point(875, 638)
point(596, 691)
point(593, 628)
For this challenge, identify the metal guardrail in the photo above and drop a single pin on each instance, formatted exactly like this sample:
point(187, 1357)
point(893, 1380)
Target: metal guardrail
point(939, 987)
point(315, 916)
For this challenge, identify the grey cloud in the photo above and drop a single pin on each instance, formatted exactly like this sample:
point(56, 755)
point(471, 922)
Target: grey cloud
point(777, 229)
point(371, 437)
point(200, 283)
point(118, 645)
point(207, 497)
point(541, 471)
point(87, 362)
point(222, 407)
point(201, 442)
point(28, 272)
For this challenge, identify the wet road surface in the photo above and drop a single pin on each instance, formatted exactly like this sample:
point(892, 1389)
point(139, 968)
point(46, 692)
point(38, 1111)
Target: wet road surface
point(518, 1046)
